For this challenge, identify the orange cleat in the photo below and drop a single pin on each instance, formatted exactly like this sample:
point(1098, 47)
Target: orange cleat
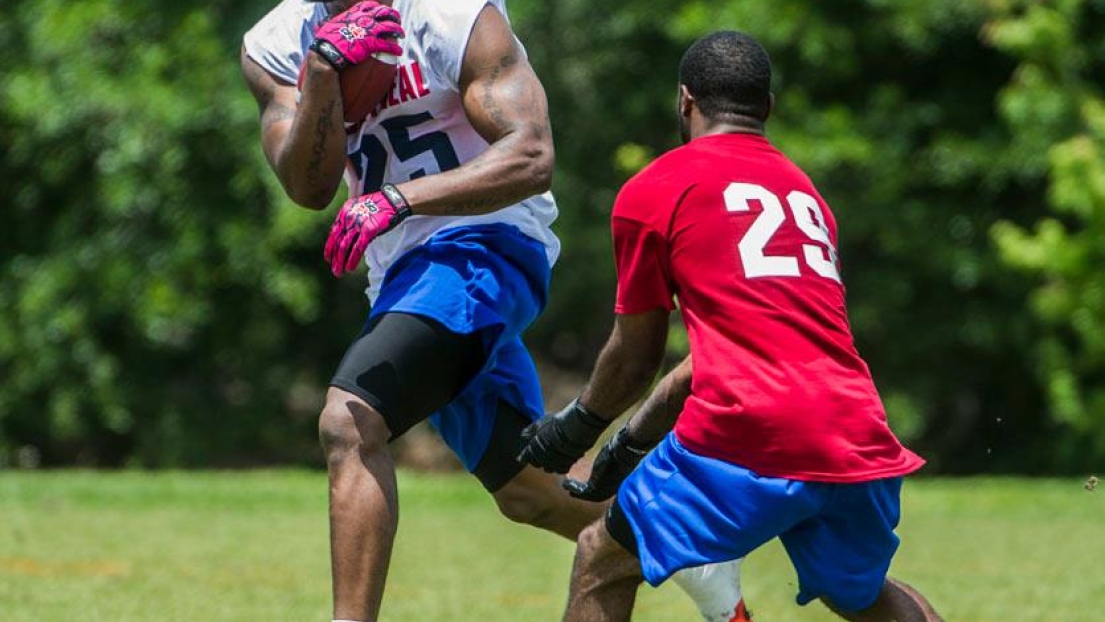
point(742, 614)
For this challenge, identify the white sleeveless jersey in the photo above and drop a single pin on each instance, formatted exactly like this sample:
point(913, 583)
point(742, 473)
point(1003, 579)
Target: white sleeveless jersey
point(419, 129)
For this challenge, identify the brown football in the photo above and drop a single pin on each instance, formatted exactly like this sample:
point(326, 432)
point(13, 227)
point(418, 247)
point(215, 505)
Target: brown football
point(364, 85)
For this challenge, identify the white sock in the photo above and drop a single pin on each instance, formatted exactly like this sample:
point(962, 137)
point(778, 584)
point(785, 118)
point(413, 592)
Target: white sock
point(715, 589)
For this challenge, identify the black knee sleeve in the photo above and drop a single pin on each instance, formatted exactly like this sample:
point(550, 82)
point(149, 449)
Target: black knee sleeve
point(499, 463)
point(618, 526)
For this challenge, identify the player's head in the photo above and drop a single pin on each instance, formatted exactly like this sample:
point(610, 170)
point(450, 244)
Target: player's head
point(726, 77)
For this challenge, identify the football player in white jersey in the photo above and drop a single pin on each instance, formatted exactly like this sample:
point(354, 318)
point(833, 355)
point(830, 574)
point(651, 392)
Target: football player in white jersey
point(449, 208)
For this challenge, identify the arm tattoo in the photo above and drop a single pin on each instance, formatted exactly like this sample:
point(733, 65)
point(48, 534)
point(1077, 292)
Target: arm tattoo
point(263, 89)
point(488, 202)
point(275, 113)
point(490, 103)
point(318, 150)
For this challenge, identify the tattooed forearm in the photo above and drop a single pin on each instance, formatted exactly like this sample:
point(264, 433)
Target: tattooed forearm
point(323, 128)
point(276, 113)
point(489, 202)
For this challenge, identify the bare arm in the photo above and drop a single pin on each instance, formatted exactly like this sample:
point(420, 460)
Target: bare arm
point(624, 370)
point(304, 141)
point(625, 449)
point(627, 365)
point(658, 414)
point(506, 105)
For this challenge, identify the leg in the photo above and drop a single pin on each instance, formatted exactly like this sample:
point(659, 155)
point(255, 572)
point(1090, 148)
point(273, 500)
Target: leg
point(605, 578)
point(534, 497)
point(897, 602)
point(364, 507)
point(523, 493)
point(716, 589)
point(394, 375)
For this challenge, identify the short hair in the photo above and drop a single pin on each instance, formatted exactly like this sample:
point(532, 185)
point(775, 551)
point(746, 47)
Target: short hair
point(728, 73)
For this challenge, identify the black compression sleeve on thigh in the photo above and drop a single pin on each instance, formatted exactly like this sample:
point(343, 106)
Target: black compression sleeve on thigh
point(408, 366)
point(618, 526)
point(499, 463)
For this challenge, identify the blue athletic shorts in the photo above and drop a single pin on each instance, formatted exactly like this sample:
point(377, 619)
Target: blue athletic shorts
point(491, 280)
point(687, 510)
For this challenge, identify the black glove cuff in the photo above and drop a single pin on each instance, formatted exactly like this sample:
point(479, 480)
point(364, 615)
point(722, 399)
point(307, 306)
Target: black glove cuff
point(330, 53)
point(587, 417)
point(398, 201)
point(626, 449)
point(580, 426)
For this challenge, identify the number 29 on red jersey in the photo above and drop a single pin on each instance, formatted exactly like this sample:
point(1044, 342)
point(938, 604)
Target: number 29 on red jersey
point(819, 254)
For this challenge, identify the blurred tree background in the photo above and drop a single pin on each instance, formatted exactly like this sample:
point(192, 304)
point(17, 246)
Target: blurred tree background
point(163, 304)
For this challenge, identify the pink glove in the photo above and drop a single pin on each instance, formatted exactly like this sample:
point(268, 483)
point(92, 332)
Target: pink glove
point(363, 30)
point(361, 220)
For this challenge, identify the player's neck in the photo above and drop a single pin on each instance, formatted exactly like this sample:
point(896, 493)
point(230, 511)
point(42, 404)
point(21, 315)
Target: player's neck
point(729, 128)
point(701, 125)
point(734, 129)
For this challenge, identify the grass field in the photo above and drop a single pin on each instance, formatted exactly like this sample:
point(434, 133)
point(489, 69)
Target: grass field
point(249, 546)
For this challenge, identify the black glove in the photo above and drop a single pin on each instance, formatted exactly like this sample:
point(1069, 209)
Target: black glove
point(557, 441)
point(617, 459)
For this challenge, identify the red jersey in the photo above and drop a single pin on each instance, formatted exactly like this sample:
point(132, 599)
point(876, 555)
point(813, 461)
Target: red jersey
point(737, 232)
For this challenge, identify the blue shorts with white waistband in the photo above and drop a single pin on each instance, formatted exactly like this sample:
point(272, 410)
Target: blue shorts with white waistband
point(480, 287)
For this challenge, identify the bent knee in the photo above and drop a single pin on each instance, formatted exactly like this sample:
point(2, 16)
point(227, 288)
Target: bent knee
point(598, 552)
point(596, 537)
point(348, 425)
point(527, 507)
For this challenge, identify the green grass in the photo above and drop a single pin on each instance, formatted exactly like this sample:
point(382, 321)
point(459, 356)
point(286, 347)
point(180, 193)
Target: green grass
point(227, 547)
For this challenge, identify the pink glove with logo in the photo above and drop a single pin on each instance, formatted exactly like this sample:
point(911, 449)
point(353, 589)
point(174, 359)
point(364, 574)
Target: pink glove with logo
point(361, 220)
point(363, 30)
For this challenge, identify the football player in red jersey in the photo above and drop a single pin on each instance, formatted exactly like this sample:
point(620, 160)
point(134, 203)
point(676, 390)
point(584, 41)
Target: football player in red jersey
point(782, 433)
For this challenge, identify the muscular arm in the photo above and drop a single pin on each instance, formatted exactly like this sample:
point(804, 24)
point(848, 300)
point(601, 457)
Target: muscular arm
point(658, 414)
point(305, 141)
point(627, 365)
point(506, 105)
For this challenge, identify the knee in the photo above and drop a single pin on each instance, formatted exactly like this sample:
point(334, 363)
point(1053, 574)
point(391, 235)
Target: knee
point(347, 426)
point(595, 539)
point(598, 552)
point(527, 507)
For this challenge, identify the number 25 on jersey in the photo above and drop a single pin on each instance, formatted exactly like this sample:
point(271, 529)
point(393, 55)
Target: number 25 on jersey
point(820, 255)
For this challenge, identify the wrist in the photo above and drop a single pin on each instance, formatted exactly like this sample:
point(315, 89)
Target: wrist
point(643, 437)
point(634, 446)
point(317, 63)
point(587, 416)
point(397, 200)
point(328, 53)
point(579, 426)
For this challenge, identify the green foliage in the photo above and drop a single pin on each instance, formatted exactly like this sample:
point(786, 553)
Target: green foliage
point(147, 287)
point(162, 303)
point(1056, 108)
